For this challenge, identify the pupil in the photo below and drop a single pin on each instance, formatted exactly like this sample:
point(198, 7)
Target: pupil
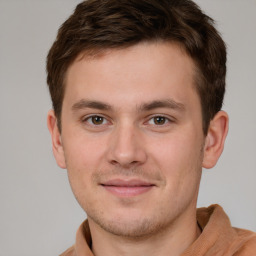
point(159, 120)
point(97, 120)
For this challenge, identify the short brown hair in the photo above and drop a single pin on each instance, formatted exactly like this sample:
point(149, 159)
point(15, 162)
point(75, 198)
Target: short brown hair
point(97, 25)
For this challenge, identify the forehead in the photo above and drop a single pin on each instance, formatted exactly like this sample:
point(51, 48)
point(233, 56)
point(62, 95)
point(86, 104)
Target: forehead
point(147, 71)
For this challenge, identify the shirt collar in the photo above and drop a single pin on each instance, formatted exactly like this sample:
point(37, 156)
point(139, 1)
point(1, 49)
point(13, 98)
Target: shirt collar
point(216, 230)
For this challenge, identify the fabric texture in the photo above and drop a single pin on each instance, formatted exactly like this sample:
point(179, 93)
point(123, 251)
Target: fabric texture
point(218, 238)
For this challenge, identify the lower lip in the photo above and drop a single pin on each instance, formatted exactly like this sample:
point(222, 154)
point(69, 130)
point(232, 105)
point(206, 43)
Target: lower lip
point(128, 191)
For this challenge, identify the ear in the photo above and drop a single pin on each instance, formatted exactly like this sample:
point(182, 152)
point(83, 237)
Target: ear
point(57, 147)
point(215, 139)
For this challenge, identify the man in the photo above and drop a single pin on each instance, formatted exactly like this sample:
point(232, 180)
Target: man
point(137, 90)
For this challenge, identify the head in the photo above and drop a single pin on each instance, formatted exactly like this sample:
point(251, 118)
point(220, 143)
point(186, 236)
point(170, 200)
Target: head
point(137, 88)
point(97, 26)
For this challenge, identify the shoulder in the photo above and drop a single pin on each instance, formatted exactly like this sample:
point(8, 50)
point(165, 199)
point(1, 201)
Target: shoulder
point(69, 252)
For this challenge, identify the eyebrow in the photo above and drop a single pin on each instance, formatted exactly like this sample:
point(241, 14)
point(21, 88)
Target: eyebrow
point(82, 104)
point(167, 103)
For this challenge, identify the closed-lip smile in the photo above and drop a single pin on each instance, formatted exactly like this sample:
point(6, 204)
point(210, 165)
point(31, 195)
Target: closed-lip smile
point(127, 188)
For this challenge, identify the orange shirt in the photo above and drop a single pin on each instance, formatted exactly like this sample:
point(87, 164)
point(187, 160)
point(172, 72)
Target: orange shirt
point(218, 238)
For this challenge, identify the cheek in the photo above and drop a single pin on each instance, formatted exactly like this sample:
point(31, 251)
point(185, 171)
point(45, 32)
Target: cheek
point(83, 156)
point(179, 158)
point(81, 162)
point(175, 149)
point(83, 152)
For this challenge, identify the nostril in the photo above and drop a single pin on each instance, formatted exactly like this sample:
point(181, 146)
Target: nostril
point(124, 164)
point(113, 162)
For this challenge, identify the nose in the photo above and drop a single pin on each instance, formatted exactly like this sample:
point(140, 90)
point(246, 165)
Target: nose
point(126, 147)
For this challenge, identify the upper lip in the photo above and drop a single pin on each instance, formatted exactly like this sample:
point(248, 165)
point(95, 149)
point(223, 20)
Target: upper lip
point(127, 183)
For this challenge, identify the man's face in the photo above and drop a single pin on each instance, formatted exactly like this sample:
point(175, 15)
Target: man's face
point(132, 137)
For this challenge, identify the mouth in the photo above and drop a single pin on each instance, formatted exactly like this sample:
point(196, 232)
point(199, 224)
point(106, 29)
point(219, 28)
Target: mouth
point(127, 188)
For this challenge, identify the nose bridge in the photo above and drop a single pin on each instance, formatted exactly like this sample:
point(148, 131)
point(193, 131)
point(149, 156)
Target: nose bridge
point(126, 146)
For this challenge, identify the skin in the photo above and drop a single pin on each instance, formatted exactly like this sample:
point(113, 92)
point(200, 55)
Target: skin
point(133, 144)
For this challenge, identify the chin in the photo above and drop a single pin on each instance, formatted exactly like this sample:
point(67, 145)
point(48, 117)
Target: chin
point(129, 227)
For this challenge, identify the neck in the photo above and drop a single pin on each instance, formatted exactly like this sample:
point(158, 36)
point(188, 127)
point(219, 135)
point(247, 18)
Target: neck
point(174, 239)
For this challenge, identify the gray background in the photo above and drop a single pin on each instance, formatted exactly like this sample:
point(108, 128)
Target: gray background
point(39, 215)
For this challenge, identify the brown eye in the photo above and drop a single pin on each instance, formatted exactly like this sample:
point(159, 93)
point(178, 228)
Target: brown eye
point(159, 120)
point(96, 120)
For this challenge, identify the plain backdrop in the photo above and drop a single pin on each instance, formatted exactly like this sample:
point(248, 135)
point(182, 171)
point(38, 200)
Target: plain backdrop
point(38, 213)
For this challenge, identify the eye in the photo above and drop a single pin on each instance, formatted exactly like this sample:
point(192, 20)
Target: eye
point(158, 120)
point(96, 120)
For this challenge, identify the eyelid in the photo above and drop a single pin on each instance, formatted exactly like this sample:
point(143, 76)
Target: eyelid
point(167, 117)
point(87, 117)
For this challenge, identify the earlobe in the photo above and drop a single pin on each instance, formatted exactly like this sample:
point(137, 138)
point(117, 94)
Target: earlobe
point(57, 146)
point(215, 139)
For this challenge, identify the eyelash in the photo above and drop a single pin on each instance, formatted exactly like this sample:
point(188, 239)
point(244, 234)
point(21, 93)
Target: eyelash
point(166, 120)
point(105, 120)
point(86, 119)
